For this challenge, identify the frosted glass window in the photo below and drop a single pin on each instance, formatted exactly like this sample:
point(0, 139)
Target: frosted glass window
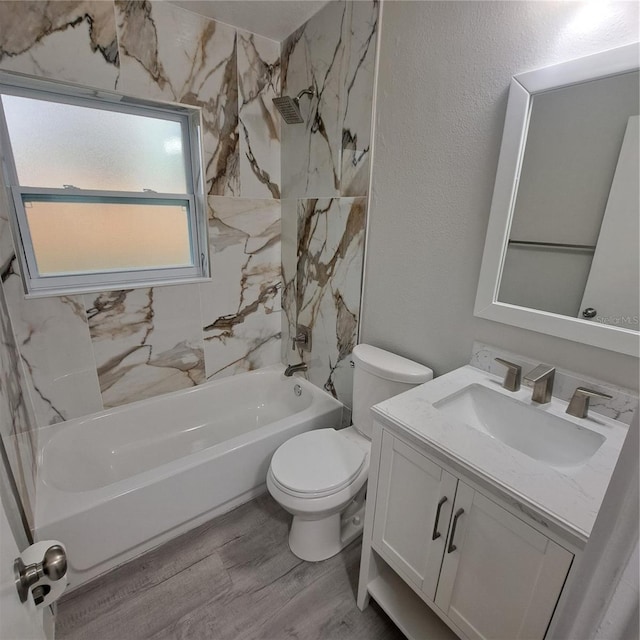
point(107, 190)
point(80, 237)
point(56, 144)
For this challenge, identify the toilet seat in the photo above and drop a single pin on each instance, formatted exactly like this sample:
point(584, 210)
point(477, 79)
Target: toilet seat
point(316, 463)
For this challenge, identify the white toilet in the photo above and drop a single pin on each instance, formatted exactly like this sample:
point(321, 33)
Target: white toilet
point(320, 477)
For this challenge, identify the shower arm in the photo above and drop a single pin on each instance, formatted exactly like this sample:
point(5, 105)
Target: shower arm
point(306, 92)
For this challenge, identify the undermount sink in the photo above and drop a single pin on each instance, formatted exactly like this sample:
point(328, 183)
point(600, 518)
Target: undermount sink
point(537, 433)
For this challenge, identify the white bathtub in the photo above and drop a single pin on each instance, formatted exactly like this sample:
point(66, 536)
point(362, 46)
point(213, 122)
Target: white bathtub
point(117, 483)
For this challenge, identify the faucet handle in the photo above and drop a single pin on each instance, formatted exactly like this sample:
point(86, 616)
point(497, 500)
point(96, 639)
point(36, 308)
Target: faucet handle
point(513, 375)
point(302, 338)
point(579, 404)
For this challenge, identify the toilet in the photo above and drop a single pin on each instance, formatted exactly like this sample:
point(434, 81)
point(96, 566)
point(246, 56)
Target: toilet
point(320, 477)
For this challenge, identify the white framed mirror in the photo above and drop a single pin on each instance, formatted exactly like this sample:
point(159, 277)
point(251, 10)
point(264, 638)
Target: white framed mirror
point(562, 253)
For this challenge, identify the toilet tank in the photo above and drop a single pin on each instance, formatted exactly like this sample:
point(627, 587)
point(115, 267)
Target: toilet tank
point(379, 375)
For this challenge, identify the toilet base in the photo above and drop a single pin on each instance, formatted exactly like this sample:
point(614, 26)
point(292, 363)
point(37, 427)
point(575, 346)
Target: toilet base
point(316, 540)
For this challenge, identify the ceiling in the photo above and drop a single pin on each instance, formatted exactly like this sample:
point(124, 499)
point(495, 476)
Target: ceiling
point(275, 19)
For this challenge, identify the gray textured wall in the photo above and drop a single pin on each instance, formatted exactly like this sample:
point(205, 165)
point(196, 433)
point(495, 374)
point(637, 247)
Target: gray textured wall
point(444, 74)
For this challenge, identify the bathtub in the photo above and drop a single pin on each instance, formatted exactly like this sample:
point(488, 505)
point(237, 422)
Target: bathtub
point(117, 483)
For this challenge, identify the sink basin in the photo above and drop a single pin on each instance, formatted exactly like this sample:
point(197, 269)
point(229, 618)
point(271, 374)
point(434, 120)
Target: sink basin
point(533, 431)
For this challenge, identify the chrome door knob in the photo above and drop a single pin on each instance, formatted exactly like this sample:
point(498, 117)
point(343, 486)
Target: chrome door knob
point(53, 565)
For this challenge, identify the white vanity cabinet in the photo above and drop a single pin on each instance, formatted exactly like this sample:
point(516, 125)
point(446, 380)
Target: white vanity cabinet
point(413, 509)
point(484, 571)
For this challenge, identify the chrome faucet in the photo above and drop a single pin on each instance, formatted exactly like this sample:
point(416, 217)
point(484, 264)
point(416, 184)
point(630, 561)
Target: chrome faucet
point(542, 379)
point(293, 368)
point(579, 405)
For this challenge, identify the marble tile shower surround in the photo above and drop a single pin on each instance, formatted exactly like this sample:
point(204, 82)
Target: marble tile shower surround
point(328, 275)
point(84, 353)
point(16, 422)
point(325, 181)
point(289, 266)
point(87, 352)
point(146, 341)
point(157, 51)
point(259, 121)
point(170, 54)
point(56, 351)
point(620, 407)
point(241, 317)
point(69, 41)
point(334, 52)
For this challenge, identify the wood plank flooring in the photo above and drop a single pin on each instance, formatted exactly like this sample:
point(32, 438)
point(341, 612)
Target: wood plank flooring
point(233, 578)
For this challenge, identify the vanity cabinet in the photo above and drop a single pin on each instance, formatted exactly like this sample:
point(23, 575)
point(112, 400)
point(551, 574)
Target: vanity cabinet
point(486, 572)
point(413, 510)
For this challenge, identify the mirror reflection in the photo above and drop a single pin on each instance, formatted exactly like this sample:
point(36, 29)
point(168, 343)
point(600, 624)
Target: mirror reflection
point(573, 242)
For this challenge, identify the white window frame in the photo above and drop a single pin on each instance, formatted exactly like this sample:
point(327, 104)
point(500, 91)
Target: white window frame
point(190, 119)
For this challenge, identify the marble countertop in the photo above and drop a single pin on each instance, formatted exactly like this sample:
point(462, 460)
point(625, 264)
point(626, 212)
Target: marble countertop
point(569, 498)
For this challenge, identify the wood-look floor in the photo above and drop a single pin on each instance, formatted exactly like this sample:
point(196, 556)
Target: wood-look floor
point(233, 578)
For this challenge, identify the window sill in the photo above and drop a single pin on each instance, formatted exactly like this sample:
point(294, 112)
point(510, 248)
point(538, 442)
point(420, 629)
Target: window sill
point(116, 286)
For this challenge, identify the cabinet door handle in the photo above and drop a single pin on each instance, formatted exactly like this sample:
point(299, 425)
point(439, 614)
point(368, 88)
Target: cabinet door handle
point(436, 533)
point(452, 547)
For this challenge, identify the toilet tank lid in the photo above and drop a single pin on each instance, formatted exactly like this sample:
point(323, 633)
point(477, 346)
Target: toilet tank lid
point(390, 366)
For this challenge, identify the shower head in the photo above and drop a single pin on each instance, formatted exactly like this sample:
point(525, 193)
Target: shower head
point(289, 108)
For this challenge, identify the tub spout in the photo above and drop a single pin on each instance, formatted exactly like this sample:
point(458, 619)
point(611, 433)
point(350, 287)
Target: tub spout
point(292, 368)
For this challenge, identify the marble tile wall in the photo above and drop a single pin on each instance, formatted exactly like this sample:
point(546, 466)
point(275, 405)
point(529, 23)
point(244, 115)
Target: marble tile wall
point(170, 54)
point(16, 421)
point(241, 319)
point(325, 182)
point(259, 121)
point(144, 343)
point(334, 52)
point(55, 347)
point(83, 353)
point(328, 283)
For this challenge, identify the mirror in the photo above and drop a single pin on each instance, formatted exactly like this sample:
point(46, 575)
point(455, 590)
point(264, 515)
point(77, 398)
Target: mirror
point(562, 253)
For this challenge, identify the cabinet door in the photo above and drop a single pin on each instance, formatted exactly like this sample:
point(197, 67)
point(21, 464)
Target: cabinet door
point(503, 578)
point(413, 509)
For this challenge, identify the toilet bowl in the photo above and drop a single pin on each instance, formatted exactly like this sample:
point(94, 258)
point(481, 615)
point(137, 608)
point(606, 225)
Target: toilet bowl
point(320, 477)
point(315, 477)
